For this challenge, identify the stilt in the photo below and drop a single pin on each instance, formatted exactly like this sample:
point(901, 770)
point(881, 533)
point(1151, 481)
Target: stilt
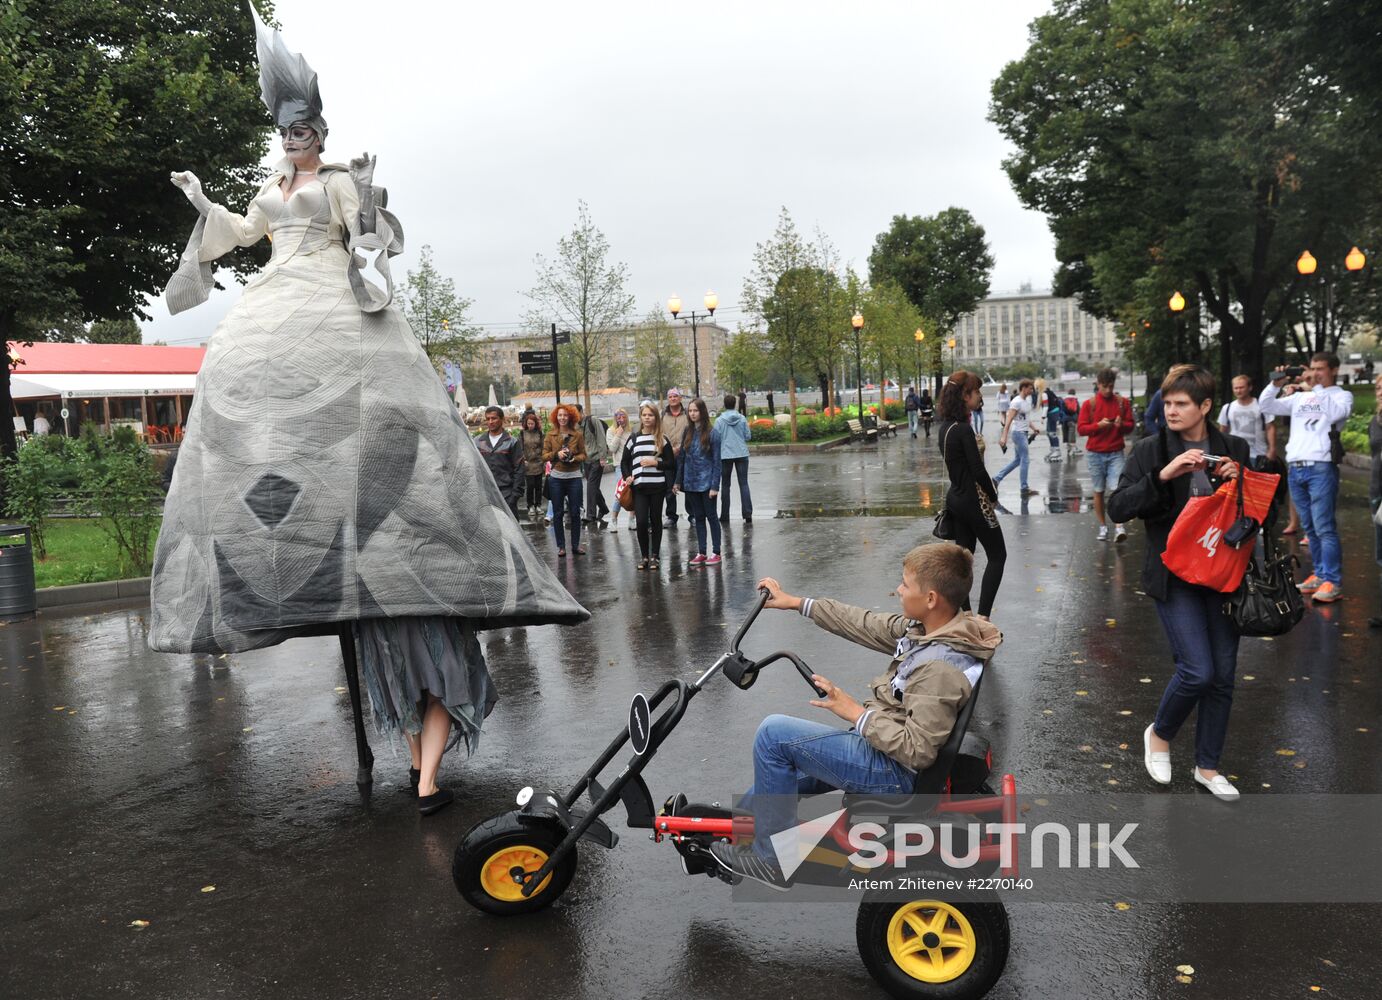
point(364, 756)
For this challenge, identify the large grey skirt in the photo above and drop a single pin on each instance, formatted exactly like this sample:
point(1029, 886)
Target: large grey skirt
point(404, 659)
point(326, 477)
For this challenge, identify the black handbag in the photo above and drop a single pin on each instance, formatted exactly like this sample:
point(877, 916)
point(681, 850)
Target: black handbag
point(944, 528)
point(1267, 602)
point(1244, 529)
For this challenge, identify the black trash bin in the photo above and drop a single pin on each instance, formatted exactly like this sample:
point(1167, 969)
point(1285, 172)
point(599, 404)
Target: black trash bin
point(18, 595)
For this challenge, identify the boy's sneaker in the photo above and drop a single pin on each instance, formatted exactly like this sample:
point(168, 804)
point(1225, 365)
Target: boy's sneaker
point(1103, 532)
point(698, 560)
point(1310, 584)
point(1327, 593)
point(713, 560)
point(1120, 533)
point(744, 863)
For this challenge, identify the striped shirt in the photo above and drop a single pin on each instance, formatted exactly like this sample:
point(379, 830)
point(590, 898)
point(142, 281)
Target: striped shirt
point(642, 446)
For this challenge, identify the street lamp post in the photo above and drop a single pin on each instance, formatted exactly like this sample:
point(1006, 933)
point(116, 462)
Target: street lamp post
point(857, 321)
point(952, 355)
point(919, 336)
point(1177, 304)
point(674, 307)
point(1306, 264)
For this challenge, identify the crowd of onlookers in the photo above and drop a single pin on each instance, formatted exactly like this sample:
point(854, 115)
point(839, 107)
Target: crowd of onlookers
point(552, 470)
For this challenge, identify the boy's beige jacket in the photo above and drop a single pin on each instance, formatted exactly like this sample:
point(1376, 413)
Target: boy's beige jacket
point(911, 730)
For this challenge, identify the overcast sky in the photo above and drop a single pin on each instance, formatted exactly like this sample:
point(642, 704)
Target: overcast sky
point(686, 127)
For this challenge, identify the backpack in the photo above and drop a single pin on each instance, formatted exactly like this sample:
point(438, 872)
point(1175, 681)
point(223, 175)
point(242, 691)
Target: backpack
point(1072, 407)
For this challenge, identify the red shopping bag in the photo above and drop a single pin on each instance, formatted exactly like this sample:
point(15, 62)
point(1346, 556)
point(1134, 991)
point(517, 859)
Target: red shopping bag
point(1196, 551)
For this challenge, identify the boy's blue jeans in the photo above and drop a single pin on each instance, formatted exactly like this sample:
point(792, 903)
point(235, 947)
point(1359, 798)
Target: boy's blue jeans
point(1314, 490)
point(794, 757)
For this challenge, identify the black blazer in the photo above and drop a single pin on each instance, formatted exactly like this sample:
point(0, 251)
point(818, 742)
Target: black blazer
point(1142, 494)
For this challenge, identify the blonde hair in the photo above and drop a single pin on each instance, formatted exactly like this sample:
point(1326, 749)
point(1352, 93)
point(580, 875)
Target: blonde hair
point(944, 567)
point(658, 439)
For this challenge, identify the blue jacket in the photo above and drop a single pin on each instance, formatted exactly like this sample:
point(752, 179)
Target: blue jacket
point(735, 434)
point(698, 469)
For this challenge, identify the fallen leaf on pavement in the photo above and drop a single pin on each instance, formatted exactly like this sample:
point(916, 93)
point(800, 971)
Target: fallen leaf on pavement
point(1081, 694)
point(141, 924)
point(1186, 970)
point(208, 888)
point(1122, 906)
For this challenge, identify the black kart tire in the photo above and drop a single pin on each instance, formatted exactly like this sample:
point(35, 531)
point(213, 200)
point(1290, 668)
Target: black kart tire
point(973, 967)
point(491, 848)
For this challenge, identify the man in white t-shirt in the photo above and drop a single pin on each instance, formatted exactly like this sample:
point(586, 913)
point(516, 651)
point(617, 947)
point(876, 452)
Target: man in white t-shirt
point(1018, 424)
point(1244, 418)
point(41, 424)
point(1317, 408)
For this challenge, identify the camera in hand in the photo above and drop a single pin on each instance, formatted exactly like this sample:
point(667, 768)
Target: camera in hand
point(1295, 371)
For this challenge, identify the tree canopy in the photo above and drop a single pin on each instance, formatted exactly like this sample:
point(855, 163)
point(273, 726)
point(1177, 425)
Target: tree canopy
point(436, 313)
point(1201, 148)
point(583, 290)
point(99, 101)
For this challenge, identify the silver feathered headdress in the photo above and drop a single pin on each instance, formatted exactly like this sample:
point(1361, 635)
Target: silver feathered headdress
point(287, 85)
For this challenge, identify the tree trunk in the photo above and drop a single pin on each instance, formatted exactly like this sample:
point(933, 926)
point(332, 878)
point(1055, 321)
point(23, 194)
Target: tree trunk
point(824, 381)
point(9, 447)
point(792, 403)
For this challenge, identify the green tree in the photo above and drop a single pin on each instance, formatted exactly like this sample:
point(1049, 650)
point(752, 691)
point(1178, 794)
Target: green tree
point(787, 289)
point(114, 331)
point(1198, 147)
point(99, 101)
point(890, 323)
point(745, 361)
point(942, 262)
point(581, 289)
point(661, 359)
point(436, 314)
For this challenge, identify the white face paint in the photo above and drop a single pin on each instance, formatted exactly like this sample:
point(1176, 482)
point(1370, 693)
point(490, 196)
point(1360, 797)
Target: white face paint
point(300, 143)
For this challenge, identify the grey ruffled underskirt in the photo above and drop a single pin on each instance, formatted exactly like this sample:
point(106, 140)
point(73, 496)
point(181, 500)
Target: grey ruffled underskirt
point(404, 658)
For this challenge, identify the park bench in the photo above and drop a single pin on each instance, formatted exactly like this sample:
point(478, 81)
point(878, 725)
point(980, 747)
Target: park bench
point(858, 431)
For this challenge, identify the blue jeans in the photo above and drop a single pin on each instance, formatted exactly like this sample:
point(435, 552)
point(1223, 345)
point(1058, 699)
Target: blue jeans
point(1104, 469)
point(794, 757)
point(566, 493)
point(1205, 647)
point(1314, 489)
point(913, 418)
point(727, 469)
point(1019, 443)
point(701, 509)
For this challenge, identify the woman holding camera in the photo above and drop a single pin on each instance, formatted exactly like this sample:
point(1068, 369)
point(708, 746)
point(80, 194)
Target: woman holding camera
point(564, 447)
point(1189, 457)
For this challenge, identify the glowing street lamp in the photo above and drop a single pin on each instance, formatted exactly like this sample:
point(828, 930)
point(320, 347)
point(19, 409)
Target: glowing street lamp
point(1306, 263)
point(857, 321)
point(712, 301)
point(1355, 260)
point(1177, 302)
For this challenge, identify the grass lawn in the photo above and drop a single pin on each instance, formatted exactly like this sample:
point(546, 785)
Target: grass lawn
point(78, 552)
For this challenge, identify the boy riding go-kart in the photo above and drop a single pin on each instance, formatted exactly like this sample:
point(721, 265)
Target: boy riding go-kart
point(906, 738)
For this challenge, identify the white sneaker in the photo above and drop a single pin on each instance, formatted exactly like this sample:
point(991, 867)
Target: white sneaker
point(1103, 532)
point(1158, 762)
point(633, 525)
point(1219, 785)
point(1119, 533)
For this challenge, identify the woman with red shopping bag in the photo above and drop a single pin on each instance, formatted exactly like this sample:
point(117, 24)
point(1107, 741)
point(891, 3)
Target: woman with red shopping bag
point(1188, 458)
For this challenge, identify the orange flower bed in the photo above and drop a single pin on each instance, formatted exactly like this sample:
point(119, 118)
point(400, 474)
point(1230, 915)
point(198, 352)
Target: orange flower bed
point(762, 422)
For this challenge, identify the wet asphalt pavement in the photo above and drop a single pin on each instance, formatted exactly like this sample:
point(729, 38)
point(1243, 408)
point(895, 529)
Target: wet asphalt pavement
point(133, 782)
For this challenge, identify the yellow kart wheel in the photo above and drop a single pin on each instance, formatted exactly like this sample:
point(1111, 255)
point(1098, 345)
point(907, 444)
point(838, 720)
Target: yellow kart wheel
point(932, 948)
point(494, 853)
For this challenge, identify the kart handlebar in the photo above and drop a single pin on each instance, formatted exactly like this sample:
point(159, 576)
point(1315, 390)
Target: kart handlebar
point(741, 670)
point(763, 596)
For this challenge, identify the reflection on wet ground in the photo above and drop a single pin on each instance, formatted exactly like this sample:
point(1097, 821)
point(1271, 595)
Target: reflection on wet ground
point(214, 797)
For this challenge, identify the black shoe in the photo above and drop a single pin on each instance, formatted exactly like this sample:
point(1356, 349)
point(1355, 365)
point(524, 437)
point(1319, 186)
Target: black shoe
point(724, 519)
point(414, 777)
point(671, 522)
point(744, 863)
point(1028, 492)
point(748, 518)
point(1375, 622)
point(440, 799)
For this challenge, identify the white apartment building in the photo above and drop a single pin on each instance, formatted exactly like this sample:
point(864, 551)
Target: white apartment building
point(1032, 326)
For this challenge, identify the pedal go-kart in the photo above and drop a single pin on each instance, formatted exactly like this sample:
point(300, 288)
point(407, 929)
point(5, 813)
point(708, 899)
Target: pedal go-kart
point(916, 947)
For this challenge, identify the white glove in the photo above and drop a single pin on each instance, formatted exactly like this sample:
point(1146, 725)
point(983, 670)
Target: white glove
point(192, 187)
